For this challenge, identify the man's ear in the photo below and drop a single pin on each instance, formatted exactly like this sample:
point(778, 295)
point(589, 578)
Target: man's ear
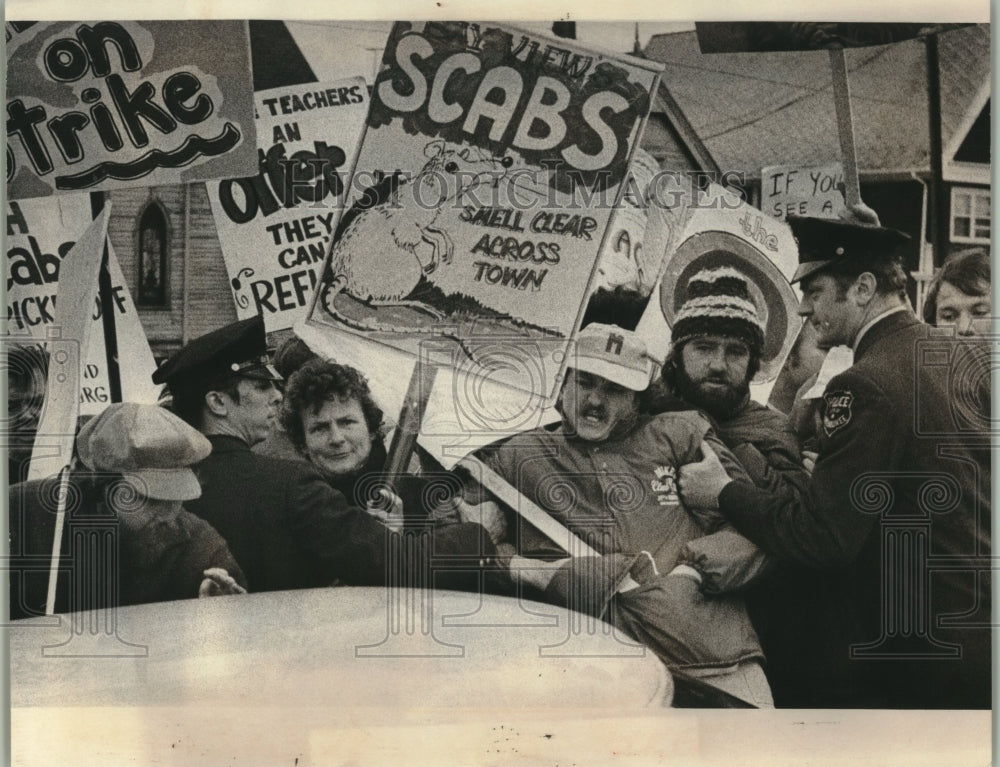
point(637, 399)
point(865, 287)
point(217, 403)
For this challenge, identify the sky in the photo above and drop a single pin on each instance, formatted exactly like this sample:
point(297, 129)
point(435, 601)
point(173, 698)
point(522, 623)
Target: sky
point(616, 35)
point(340, 49)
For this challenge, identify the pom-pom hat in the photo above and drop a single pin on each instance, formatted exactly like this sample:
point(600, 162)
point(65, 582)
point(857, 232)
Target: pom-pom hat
point(718, 303)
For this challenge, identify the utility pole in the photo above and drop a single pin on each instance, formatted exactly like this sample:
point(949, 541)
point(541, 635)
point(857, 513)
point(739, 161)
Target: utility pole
point(936, 210)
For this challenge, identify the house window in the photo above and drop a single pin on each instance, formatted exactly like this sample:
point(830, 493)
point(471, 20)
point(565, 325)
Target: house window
point(152, 257)
point(970, 215)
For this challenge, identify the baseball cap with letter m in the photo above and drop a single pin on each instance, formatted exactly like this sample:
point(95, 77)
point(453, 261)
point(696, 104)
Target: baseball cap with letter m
point(613, 353)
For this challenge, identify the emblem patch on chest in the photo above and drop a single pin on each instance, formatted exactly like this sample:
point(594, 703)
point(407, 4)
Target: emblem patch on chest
point(836, 411)
point(665, 485)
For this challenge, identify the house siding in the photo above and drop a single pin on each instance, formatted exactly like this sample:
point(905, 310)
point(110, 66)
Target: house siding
point(196, 307)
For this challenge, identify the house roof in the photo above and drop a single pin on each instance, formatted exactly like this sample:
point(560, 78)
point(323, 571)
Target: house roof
point(752, 110)
point(674, 141)
point(965, 81)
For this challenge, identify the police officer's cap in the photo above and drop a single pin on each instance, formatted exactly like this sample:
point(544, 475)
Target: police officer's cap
point(239, 349)
point(856, 237)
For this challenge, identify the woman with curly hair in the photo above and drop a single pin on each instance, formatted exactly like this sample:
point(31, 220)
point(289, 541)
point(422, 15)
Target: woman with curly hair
point(332, 419)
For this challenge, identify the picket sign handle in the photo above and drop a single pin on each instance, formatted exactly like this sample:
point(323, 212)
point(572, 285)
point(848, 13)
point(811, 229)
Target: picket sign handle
point(845, 125)
point(104, 292)
point(404, 439)
point(547, 525)
point(50, 599)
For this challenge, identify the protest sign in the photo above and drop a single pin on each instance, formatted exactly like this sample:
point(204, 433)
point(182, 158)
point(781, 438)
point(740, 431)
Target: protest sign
point(77, 296)
point(17, 33)
point(110, 104)
point(275, 227)
point(624, 260)
point(790, 190)
point(40, 234)
point(723, 230)
point(504, 153)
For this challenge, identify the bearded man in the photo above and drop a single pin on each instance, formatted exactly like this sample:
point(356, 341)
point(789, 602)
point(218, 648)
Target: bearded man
point(718, 337)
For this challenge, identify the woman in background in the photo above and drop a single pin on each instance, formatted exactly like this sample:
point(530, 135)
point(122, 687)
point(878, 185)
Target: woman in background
point(959, 294)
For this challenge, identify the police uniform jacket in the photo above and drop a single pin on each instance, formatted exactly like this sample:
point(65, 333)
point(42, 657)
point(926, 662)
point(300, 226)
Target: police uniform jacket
point(897, 514)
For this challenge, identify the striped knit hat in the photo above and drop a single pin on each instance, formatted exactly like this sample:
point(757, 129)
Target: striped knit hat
point(719, 304)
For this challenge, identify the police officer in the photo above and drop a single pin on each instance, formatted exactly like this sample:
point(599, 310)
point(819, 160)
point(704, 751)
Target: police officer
point(895, 520)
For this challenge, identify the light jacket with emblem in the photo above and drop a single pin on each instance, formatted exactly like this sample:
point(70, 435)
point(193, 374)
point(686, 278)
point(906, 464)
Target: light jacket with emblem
point(895, 523)
point(620, 496)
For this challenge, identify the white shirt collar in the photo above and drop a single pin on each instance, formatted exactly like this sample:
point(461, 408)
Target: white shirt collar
point(865, 328)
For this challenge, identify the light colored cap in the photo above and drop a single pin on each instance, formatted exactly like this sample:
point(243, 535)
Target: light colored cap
point(614, 353)
point(150, 446)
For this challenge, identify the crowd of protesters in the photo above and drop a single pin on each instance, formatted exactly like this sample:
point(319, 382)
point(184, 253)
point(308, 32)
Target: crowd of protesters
point(711, 537)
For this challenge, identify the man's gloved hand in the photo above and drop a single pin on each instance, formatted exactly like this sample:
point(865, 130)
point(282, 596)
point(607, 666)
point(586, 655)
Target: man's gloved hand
point(700, 483)
point(535, 572)
point(218, 582)
point(686, 571)
point(487, 514)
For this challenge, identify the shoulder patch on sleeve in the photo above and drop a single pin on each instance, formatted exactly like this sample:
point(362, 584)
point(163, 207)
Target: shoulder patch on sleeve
point(836, 410)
